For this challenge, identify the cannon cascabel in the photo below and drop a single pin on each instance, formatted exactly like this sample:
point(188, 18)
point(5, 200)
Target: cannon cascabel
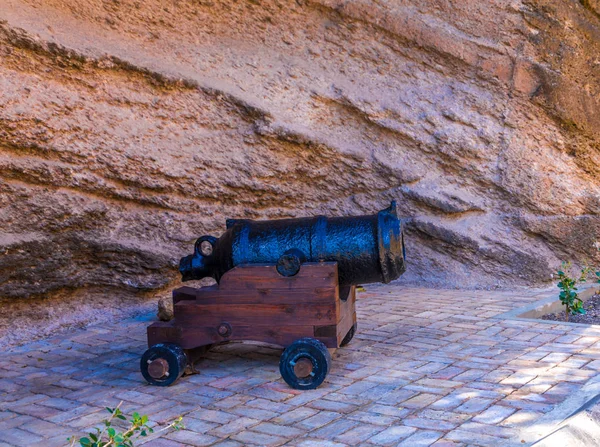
point(367, 248)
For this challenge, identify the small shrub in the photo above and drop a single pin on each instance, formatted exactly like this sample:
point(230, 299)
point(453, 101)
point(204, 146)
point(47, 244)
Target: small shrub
point(111, 436)
point(567, 284)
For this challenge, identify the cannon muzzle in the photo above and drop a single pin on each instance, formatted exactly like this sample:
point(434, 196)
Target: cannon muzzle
point(367, 248)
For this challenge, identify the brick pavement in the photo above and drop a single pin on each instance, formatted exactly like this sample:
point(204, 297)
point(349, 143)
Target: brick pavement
point(427, 367)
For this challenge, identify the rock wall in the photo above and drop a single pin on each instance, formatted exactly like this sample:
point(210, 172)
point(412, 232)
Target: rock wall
point(129, 128)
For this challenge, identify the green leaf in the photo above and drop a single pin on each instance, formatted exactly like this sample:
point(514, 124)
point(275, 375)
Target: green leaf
point(120, 416)
point(85, 442)
point(111, 432)
point(143, 433)
point(145, 419)
point(94, 437)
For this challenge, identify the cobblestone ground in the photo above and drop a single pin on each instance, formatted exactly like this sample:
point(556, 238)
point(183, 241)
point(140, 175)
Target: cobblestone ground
point(427, 367)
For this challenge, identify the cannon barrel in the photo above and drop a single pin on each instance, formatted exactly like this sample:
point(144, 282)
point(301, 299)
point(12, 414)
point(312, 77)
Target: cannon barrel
point(367, 248)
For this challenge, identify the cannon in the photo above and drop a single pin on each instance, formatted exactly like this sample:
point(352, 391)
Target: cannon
point(289, 282)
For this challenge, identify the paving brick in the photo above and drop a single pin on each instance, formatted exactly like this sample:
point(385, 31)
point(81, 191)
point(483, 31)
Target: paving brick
point(447, 373)
point(471, 438)
point(278, 430)
point(443, 415)
point(359, 434)
point(233, 427)
point(198, 425)
point(309, 442)
point(219, 417)
point(320, 419)
point(163, 442)
point(35, 410)
point(491, 430)
point(295, 415)
point(449, 401)
point(334, 429)
point(265, 404)
point(190, 438)
point(169, 414)
point(521, 418)
point(422, 438)
point(420, 401)
point(447, 443)
point(19, 437)
point(254, 413)
point(338, 407)
point(388, 410)
point(375, 419)
point(15, 421)
point(268, 393)
point(429, 424)
point(475, 405)
point(61, 404)
point(494, 414)
point(228, 443)
point(392, 435)
point(358, 387)
point(262, 439)
point(397, 397)
point(519, 378)
point(307, 396)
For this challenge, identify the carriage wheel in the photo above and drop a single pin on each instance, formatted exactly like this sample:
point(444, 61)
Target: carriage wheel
point(305, 364)
point(163, 364)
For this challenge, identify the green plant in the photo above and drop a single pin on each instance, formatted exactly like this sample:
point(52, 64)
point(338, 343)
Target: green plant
point(111, 436)
point(567, 284)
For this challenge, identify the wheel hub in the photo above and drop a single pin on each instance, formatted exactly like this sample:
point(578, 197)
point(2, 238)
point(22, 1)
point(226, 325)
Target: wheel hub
point(303, 368)
point(158, 368)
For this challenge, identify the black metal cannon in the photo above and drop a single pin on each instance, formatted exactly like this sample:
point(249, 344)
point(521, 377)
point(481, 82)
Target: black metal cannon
point(289, 282)
point(367, 248)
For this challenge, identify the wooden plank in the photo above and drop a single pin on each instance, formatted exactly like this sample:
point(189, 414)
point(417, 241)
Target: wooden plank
point(163, 332)
point(256, 276)
point(325, 331)
point(282, 336)
point(261, 296)
point(347, 315)
point(188, 313)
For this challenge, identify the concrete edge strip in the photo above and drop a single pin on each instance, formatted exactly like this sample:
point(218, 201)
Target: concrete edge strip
point(533, 311)
point(559, 416)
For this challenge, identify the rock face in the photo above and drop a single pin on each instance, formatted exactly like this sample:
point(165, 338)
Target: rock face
point(129, 128)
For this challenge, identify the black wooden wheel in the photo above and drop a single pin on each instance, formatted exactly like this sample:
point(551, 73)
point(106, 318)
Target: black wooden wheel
point(163, 364)
point(305, 364)
point(348, 338)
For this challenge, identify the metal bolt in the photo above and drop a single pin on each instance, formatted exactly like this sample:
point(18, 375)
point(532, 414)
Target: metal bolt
point(224, 330)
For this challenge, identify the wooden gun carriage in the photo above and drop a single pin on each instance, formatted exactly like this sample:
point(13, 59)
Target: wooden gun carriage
point(305, 314)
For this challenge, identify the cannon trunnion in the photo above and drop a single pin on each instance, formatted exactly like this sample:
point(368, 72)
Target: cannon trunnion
point(289, 282)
